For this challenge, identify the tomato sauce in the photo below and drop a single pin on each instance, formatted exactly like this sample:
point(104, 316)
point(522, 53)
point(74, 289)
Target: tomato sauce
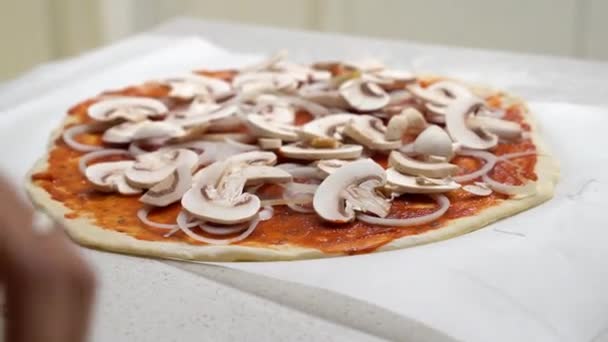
point(63, 181)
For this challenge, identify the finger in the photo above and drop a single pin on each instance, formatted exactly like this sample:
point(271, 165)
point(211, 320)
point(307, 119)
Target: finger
point(52, 291)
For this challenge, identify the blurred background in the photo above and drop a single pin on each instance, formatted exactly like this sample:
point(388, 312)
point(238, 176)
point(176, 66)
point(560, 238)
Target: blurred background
point(35, 31)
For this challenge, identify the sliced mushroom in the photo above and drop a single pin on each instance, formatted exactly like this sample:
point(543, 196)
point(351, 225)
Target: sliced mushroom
point(370, 132)
point(217, 195)
point(270, 143)
point(456, 124)
point(364, 96)
point(401, 183)
point(507, 130)
point(259, 174)
point(324, 97)
point(300, 152)
point(274, 109)
point(254, 158)
point(409, 121)
point(263, 127)
point(152, 168)
point(328, 166)
point(266, 80)
point(393, 75)
point(327, 127)
point(110, 177)
point(171, 189)
point(351, 188)
point(202, 120)
point(126, 108)
point(410, 166)
point(191, 86)
point(434, 141)
point(129, 131)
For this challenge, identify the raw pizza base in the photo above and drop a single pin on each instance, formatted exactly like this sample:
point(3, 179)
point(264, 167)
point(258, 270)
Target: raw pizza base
point(85, 232)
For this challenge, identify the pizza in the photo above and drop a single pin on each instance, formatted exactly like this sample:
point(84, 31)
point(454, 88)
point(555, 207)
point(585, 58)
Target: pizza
point(284, 161)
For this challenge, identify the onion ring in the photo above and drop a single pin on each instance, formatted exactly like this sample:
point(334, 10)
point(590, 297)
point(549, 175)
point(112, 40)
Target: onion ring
point(182, 219)
point(442, 200)
point(519, 191)
point(489, 158)
point(69, 133)
point(142, 215)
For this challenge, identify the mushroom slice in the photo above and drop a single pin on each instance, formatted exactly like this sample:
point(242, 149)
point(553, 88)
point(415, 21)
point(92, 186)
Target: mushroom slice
point(218, 197)
point(401, 183)
point(191, 86)
point(409, 121)
point(110, 177)
point(297, 151)
point(265, 79)
point(326, 127)
point(351, 188)
point(434, 141)
point(270, 143)
point(263, 127)
point(328, 166)
point(450, 89)
point(364, 96)
point(370, 132)
point(259, 174)
point(203, 119)
point(129, 131)
point(254, 158)
point(126, 108)
point(171, 189)
point(410, 166)
point(507, 130)
point(456, 125)
point(393, 75)
point(152, 168)
point(324, 97)
point(274, 109)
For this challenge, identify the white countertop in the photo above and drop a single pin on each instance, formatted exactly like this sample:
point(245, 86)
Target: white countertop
point(148, 300)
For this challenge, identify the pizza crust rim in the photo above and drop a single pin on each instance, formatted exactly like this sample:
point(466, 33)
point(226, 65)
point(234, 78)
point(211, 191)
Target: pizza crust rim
point(86, 233)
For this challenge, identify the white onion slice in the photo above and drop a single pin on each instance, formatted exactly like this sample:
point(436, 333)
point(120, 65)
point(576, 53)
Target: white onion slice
point(68, 137)
point(222, 230)
point(85, 159)
point(442, 200)
point(182, 220)
point(490, 161)
point(142, 215)
point(300, 209)
point(519, 191)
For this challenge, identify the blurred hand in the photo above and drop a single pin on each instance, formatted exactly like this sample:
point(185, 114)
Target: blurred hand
point(48, 287)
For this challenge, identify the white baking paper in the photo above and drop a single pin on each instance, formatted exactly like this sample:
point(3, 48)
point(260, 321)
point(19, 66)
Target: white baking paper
point(538, 276)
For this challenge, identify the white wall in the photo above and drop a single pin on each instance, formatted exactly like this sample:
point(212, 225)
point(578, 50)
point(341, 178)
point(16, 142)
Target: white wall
point(37, 30)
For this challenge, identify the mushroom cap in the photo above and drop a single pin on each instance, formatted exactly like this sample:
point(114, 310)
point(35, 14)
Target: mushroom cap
point(274, 109)
point(328, 201)
point(109, 177)
point(456, 124)
point(413, 185)
point(259, 174)
point(263, 127)
point(434, 141)
point(328, 166)
point(410, 166)
point(324, 97)
point(129, 131)
point(267, 80)
point(296, 151)
point(504, 129)
point(202, 119)
point(270, 143)
point(152, 168)
point(191, 85)
point(171, 189)
point(369, 131)
point(254, 158)
point(126, 108)
point(364, 96)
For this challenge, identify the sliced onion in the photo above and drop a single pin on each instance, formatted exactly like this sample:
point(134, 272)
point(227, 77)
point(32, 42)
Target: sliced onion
point(300, 209)
point(520, 191)
point(222, 230)
point(442, 200)
point(517, 155)
point(85, 159)
point(70, 133)
point(489, 158)
point(182, 220)
point(142, 215)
